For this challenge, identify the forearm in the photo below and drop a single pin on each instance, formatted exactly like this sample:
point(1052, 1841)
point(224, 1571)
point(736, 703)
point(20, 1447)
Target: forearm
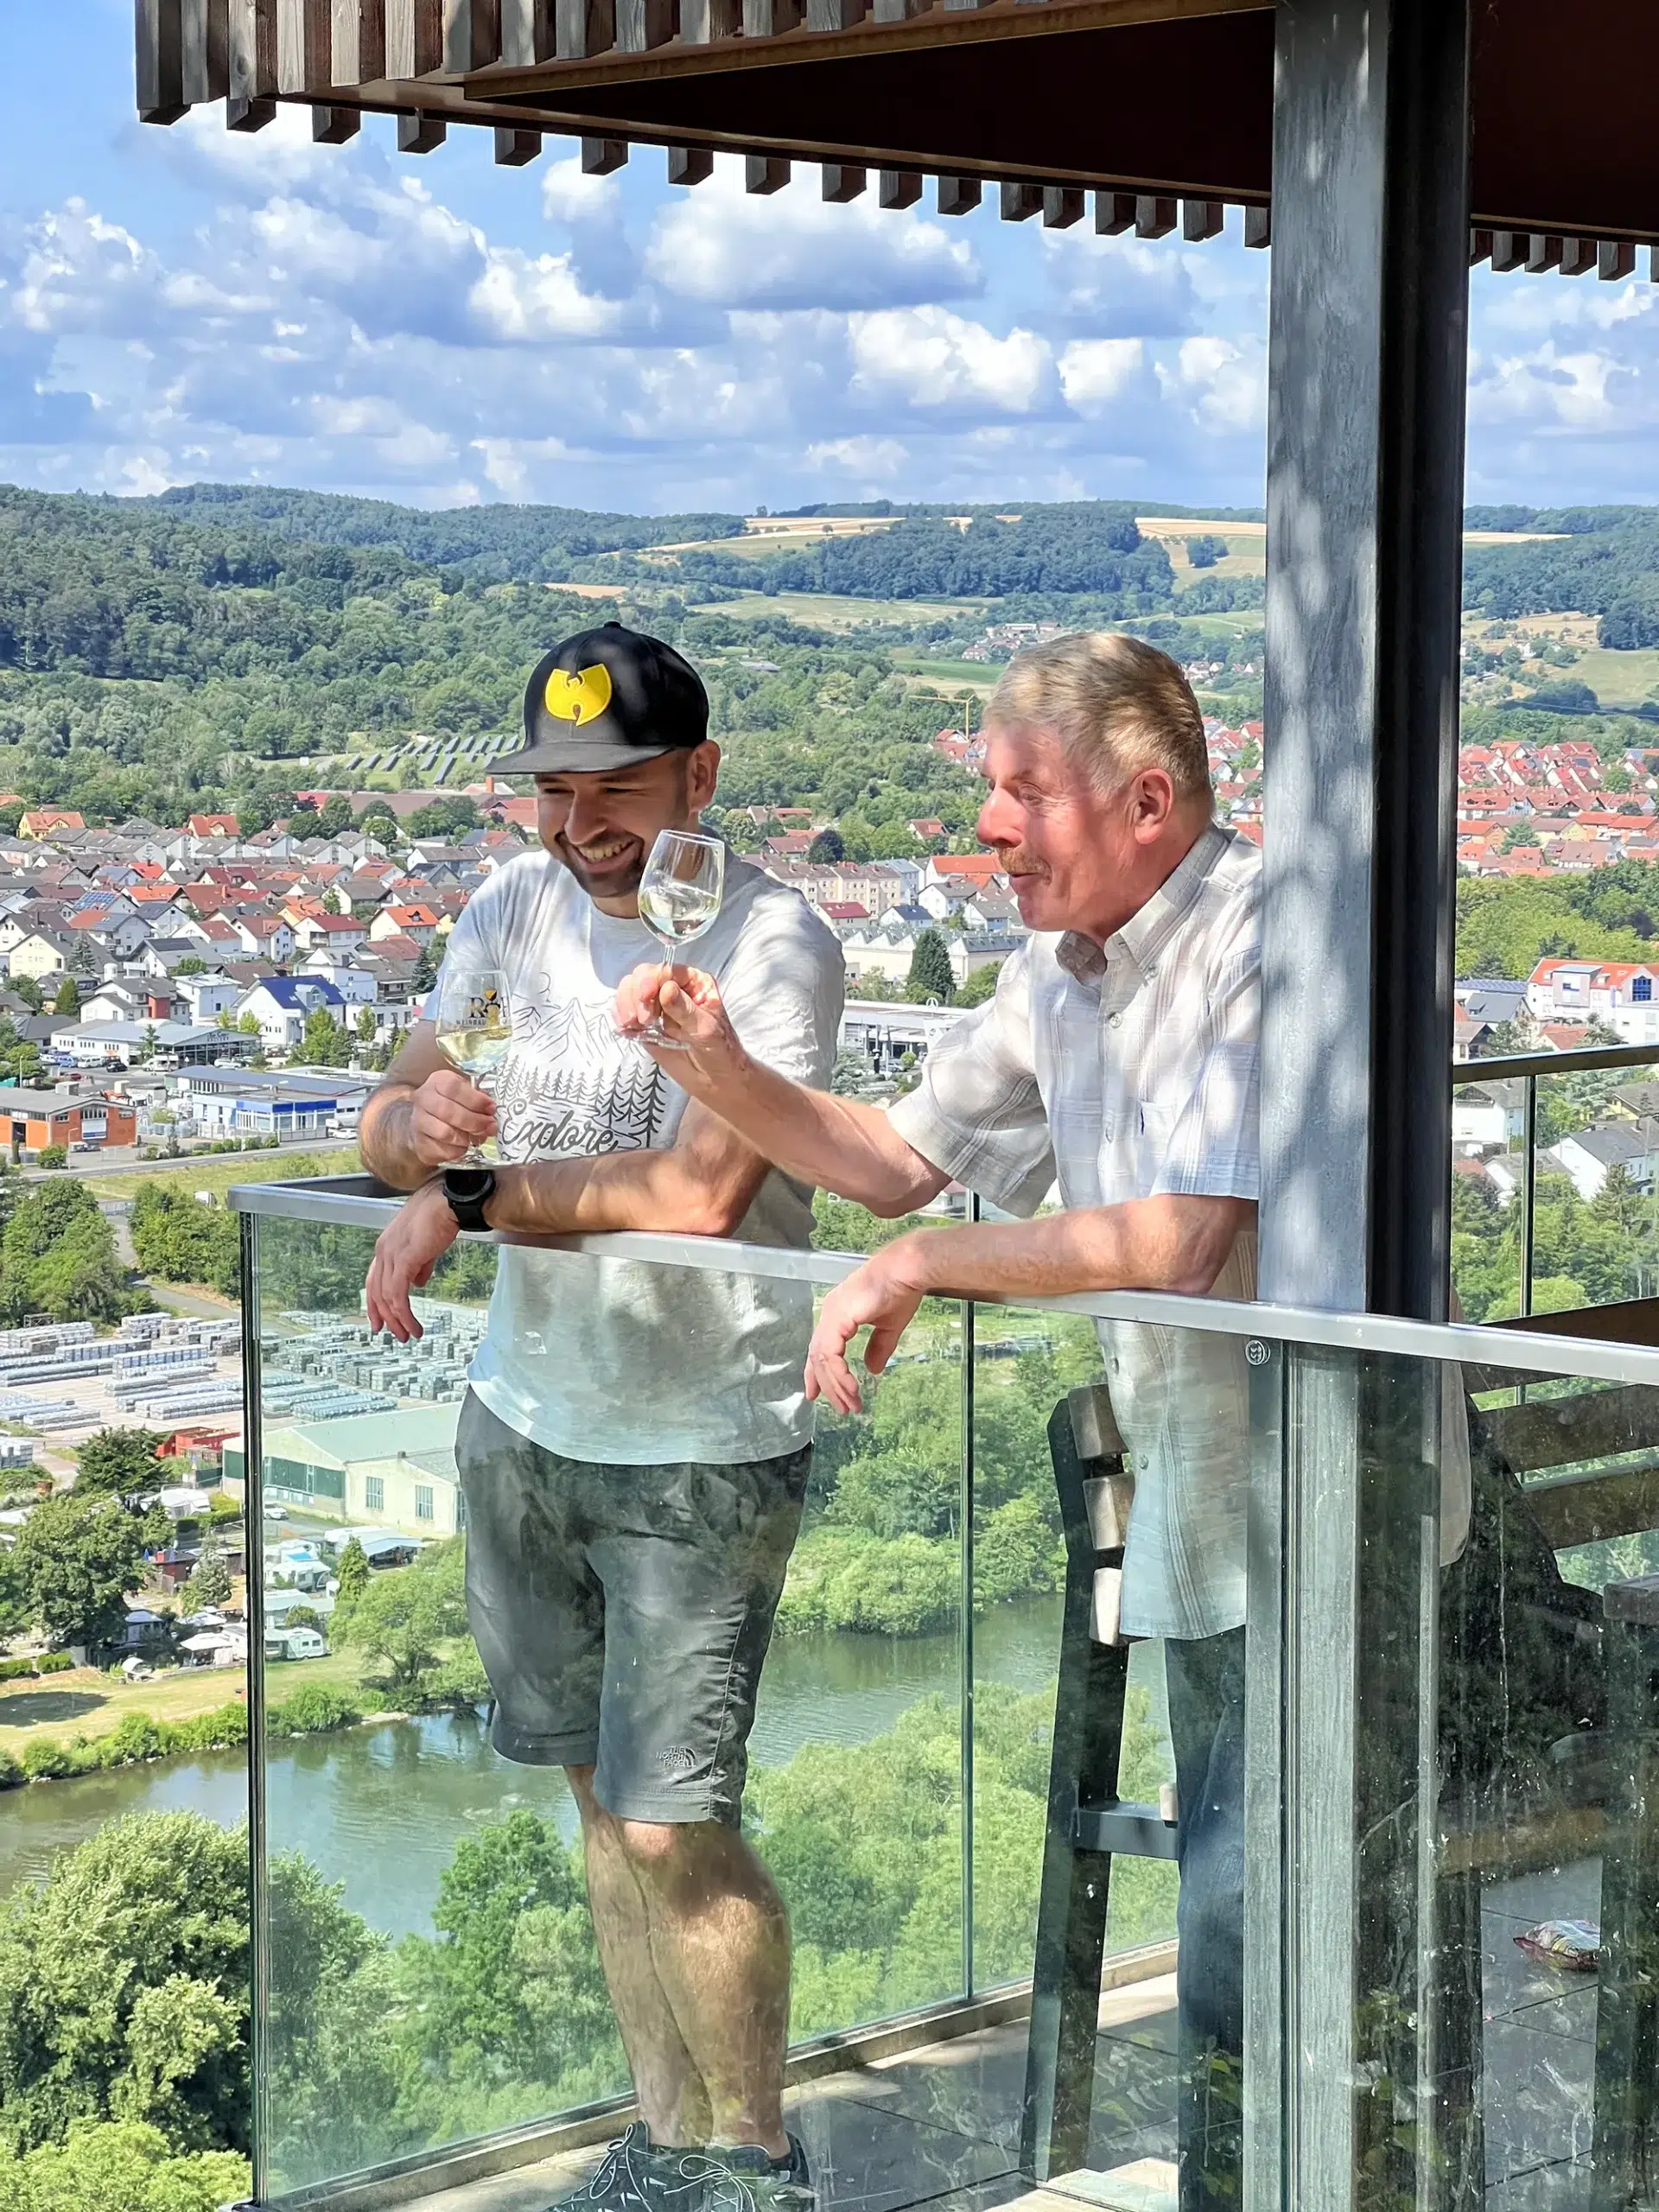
point(1147, 1245)
point(386, 1139)
point(836, 1144)
point(622, 1190)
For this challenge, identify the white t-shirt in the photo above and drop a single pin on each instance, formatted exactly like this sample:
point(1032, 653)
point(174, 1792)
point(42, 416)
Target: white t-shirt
point(610, 1360)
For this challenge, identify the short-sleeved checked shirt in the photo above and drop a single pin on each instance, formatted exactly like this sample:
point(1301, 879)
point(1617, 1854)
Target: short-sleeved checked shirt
point(1134, 1074)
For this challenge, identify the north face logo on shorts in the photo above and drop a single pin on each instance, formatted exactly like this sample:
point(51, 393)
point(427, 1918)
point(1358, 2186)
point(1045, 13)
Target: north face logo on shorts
point(680, 1760)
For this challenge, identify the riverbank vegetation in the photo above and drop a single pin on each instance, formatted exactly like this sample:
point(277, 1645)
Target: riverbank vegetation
point(124, 1996)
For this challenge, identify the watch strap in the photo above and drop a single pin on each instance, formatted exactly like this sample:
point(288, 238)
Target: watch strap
point(469, 1191)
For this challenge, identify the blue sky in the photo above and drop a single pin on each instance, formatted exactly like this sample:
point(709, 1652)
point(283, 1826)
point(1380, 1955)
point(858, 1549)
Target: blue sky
point(188, 303)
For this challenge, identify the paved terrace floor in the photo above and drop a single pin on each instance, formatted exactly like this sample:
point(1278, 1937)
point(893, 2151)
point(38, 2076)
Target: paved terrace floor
point(939, 2126)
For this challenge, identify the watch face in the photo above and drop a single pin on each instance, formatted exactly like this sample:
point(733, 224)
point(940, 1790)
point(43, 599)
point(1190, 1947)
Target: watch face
point(469, 1185)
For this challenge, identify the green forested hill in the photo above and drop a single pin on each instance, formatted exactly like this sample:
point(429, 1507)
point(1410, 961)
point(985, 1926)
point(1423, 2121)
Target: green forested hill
point(1605, 561)
point(498, 543)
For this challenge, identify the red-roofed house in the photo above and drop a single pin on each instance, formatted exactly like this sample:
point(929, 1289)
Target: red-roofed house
point(843, 910)
point(45, 820)
point(213, 825)
point(418, 923)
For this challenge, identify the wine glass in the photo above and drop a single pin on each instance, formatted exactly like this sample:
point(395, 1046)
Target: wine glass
point(679, 897)
point(474, 1020)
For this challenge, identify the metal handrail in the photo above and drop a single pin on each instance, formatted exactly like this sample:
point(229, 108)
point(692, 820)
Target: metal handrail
point(356, 1200)
point(1526, 1068)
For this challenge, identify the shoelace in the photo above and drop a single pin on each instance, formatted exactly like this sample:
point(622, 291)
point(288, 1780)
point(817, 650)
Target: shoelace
point(617, 2164)
point(731, 2191)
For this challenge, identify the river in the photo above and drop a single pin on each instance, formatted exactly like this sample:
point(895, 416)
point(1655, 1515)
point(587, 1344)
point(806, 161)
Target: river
point(380, 1810)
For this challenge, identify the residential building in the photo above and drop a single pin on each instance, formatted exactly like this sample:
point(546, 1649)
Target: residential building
point(281, 1005)
point(39, 1118)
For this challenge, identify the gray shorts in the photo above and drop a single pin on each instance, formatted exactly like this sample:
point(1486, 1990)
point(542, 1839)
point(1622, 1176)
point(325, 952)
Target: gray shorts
point(623, 1613)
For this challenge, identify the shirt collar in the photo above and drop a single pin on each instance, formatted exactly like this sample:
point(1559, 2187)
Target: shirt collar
point(1144, 936)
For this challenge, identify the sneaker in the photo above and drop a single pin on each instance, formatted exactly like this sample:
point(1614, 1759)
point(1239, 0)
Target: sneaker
point(628, 2178)
point(744, 2178)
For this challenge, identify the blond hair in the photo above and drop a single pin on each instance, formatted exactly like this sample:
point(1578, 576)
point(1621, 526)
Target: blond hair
point(1116, 703)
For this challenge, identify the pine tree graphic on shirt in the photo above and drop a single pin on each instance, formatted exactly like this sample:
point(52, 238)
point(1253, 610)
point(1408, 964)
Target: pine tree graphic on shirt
point(572, 1088)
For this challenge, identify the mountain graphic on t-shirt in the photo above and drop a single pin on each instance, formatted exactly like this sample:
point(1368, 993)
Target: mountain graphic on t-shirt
point(572, 1087)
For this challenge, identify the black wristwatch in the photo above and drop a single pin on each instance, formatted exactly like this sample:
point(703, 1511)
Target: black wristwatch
point(469, 1189)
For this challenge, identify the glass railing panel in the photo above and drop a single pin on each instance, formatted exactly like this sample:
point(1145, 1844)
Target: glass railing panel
point(447, 1959)
point(1503, 1894)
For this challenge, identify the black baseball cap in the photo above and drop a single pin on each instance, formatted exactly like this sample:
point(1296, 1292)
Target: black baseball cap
point(606, 699)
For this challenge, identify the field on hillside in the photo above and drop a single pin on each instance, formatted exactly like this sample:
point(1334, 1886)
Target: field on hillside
point(1619, 679)
point(219, 1172)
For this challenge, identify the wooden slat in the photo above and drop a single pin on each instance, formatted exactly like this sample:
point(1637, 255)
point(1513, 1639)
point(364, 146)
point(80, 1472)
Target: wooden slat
point(1202, 219)
point(1615, 261)
point(835, 15)
point(1544, 253)
point(1114, 213)
point(1062, 205)
point(704, 23)
point(1020, 202)
point(514, 149)
point(334, 126)
point(160, 60)
point(1577, 257)
point(959, 195)
point(419, 132)
point(603, 156)
point(1590, 1509)
point(527, 32)
point(1258, 226)
point(358, 41)
point(250, 27)
point(414, 40)
point(304, 46)
point(1154, 217)
point(842, 181)
point(898, 187)
point(204, 57)
point(585, 27)
point(770, 18)
point(689, 165)
point(765, 173)
point(471, 34)
point(1509, 250)
point(1589, 1424)
point(643, 24)
point(1480, 247)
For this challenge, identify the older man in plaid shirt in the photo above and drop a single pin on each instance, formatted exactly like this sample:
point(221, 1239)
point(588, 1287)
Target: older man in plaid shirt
point(1118, 1056)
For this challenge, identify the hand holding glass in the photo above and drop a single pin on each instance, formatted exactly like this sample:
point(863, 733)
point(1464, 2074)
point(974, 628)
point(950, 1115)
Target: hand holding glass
point(472, 1016)
point(679, 897)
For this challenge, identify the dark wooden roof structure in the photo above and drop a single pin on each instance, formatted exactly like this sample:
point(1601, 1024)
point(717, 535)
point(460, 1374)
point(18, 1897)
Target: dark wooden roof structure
point(1162, 108)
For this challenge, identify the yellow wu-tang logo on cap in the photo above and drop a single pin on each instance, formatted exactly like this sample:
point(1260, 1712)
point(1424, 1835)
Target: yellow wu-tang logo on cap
point(577, 695)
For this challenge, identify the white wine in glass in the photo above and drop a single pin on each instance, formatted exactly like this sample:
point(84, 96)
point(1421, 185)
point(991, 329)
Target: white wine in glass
point(474, 1020)
point(679, 896)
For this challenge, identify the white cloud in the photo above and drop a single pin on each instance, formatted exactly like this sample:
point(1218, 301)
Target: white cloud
point(528, 302)
point(873, 460)
point(1095, 372)
point(1546, 387)
point(569, 195)
point(722, 246)
point(1223, 384)
point(935, 359)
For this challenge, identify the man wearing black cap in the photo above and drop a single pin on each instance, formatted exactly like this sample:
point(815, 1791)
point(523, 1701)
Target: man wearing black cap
point(634, 1446)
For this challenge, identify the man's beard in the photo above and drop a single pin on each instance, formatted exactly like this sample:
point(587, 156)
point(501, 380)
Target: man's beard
point(616, 883)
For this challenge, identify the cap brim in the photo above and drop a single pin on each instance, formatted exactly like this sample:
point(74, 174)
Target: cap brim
point(574, 756)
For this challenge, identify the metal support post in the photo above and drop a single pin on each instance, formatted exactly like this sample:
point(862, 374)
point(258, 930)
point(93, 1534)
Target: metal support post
point(1368, 367)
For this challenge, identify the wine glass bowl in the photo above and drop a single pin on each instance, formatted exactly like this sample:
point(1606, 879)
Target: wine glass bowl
point(473, 1021)
point(679, 897)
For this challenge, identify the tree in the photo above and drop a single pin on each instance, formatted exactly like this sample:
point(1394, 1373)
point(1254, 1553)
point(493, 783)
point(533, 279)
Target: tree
point(27, 990)
point(148, 1043)
point(828, 845)
point(426, 969)
point(78, 1559)
point(247, 1023)
point(1204, 552)
point(851, 1074)
point(192, 964)
point(333, 815)
point(118, 1462)
point(352, 1574)
point(122, 2166)
point(366, 1026)
point(58, 1256)
point(930, 977)
point(324, 1043)
point(68, 999)
point(403, 1620)
point(978, 985)
point(51, 1155)
point(123, 1987)
point(178, 1239)
point(210, 1581)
